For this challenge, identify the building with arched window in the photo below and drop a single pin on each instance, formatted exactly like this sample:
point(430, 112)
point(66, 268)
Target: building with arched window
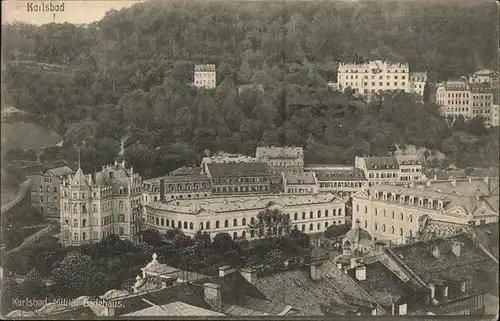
point(45, 190)
point(95, 206)
point(232, 214)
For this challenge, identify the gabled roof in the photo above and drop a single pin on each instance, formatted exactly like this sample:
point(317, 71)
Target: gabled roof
point(206, 67)
point(238, 169)
point(185, 171)
point(306, 178)
point(439, 174)
point(381, 163)
point(60, 171)
point(116, 174)
point(341, 174)
point(174, 309)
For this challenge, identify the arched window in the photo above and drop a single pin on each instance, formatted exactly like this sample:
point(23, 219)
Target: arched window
point(244, 221)
point(340, 211)
point(319, 214)
point(295, 216)
point(410, 233)
point(366, 209)
point(162, 222)
point(235, 235)
point(311, 227)
point(401, 231)
point(326, 224)
point(84, 222)
point(157, 221)
point(326, 213)
point(172, 223)
point(191, 225)
point(339, 222)
point(185, 225)
point(201, 225)
point(402, 217)
point(383, 228)
point(217, 224)
point(207, 225)
point(411, 218)
point(252, 221)
point(243, 234)
point(303, 215)
point(226, 223)
point(179, 224)
point(319, 226)
point(392, 229)
point(168, 222)
point(252, 233)
point(357, 208)
point(303, 227)
point(235, 222)
point(311, 214)
point(366, 224)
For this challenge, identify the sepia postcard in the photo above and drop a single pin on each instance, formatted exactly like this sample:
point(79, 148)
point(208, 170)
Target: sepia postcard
point(226, 159)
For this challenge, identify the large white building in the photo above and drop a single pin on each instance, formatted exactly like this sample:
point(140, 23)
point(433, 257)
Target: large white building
point(95, 207)
point(340, 180)
point(484, 76)
point(495, 115)
point(234, 214)
point(226, 158)
point(374, 76)
point(482, 102)
point(399, 213)
point(205, 76)
point(455, 99)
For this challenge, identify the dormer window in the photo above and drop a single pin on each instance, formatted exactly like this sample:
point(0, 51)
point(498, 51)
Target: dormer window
point(440, 205)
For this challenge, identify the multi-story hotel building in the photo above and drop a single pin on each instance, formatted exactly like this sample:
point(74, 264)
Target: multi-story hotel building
point(45, 190)
point(417, 82)
point(223, 158)
point(410, 168)
point(455, 99)
point(339, 180)
point(176, 186)
point(205, 76)
point(399, 213)
point(484, 76)
point(281, 160)
point(374, 76)
point(378, 169)
point(482, 100)
point(233, 215)
point(239, 178)
point(302, 183)
point(95, 207)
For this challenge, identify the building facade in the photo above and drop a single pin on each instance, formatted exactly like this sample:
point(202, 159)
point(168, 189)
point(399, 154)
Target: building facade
point(484, 76)
point(226, 158)
point(288, 160)
point(176, 186)
point(495, 115)
point(205, 76)
point(339, 180)
point(482, 100)
point(302, 183)
point(95, 207)
point(417, 82)
point(399, 213)
point(239, 178)
point(374, 76)
point(233, 215)
point(410, 168)
point(378, 170)
point(455, 99)
point(45, 190)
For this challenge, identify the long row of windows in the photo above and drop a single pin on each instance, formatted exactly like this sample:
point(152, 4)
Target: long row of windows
point(392, 229)
point(296, 216)
point(376, 213)
point(240, 189)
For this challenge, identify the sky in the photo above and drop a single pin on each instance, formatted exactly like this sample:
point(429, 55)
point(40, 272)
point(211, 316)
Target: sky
point(75, 11)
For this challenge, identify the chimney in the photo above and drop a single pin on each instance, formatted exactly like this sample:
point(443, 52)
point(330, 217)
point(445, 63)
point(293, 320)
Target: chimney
point(470, 179)
point(428, 183)
point(213, 295)
point(162, 190)
point(436, 251)
point(432, 287)
point(225, 270)
point(315, 269)
point(361, 273)
point(249, 274)
point(455, 248)
point(123, 163)
point(339, 265)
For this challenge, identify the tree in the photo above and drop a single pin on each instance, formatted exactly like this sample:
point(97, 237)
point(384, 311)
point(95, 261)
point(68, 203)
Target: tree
point(223, 243)
point(152, 237)
point(275, 258)
point(334, 231)
point(427, 93)
point(270, 223)
point(34, 286)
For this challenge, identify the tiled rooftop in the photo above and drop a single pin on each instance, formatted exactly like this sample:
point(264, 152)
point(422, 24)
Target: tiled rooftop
point(381, 163)
point(341, 174)
point(306, 178)
point(186, 170)
point(238, 169)
point(206, 67)
point(439, 174)
point(174, 309)
point(237, 203)
point(60, 171)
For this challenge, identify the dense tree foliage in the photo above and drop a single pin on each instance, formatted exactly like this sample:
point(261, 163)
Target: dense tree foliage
point(130, 73)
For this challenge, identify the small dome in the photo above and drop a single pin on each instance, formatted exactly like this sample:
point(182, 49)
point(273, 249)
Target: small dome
point(357, 235)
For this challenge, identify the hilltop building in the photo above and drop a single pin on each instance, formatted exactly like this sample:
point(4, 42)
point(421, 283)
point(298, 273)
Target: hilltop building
point(95, 206)
point(487, 76)
point(45, 190)
point(234, 214)
point(374, 77)
point(455, 99)
point(205, 76)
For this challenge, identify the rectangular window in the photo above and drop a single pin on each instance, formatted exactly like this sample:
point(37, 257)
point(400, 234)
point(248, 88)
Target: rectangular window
point(479, 302)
